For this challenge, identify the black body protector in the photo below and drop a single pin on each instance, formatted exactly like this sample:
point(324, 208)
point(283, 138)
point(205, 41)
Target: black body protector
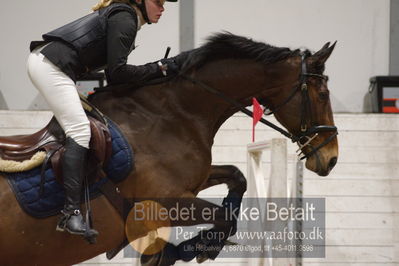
point(87, 35)
point(84, 46)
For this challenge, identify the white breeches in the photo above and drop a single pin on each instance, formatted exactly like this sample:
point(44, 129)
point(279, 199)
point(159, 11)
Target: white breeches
point(61, 95)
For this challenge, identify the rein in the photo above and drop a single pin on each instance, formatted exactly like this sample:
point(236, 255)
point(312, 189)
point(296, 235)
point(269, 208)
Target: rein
point(307, 135)
point(237, 105)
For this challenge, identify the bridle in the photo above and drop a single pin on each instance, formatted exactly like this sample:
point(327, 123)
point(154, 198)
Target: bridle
point(307, 134)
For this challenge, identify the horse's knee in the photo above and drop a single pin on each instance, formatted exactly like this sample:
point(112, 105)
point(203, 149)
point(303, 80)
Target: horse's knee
point(238, 181)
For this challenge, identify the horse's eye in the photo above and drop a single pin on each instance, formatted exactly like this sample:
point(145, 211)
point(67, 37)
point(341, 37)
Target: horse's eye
point(323, 96)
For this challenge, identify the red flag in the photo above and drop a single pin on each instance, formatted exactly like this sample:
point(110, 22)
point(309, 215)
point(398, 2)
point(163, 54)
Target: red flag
point(257, 115)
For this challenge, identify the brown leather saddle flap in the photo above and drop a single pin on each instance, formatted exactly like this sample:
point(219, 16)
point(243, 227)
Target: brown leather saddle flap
point(51, 139)
point(23, 147)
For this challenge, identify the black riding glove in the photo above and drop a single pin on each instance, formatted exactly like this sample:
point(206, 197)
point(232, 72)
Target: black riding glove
point(169, 66)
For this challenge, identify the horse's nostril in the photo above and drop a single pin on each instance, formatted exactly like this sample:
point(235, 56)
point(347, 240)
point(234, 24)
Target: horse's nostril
point(333, 162)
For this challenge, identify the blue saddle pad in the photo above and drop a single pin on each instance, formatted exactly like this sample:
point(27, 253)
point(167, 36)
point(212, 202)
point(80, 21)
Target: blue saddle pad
point(26, 185)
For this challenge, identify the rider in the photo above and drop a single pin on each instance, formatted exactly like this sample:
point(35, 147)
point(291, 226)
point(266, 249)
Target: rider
point(102, 39)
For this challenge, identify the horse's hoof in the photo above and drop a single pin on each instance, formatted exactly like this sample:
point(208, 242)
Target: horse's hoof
point(230, 243)
point(151, 260)
point(202, 257)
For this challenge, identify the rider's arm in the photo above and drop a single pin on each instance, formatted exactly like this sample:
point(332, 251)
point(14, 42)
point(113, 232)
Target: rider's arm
point(121, 33)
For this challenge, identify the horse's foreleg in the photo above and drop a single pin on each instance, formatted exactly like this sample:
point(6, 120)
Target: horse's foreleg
point(225, 222)
point(226, 174)
point(237, 185)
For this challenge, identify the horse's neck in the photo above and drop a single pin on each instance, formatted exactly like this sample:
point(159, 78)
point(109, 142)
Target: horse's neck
point(239, 80)
point(187, 110)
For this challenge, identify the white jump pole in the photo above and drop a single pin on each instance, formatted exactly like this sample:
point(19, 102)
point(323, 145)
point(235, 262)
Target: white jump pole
point(277, 186)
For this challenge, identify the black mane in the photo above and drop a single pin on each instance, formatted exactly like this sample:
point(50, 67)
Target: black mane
point(227, 45)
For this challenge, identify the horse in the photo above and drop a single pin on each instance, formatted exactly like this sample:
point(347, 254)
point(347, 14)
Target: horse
point(171, 128)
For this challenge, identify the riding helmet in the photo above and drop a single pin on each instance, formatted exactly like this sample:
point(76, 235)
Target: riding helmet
point(143, 9)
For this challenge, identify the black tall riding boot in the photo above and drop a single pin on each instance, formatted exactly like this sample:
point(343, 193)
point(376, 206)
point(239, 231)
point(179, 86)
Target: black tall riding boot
point(73, 166)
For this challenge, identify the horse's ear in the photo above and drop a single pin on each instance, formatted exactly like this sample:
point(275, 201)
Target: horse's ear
point(321, 56)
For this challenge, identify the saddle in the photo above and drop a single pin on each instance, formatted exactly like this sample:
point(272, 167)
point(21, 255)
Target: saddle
point(51, 140)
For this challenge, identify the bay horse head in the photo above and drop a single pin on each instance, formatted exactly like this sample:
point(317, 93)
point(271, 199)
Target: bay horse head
point(291, 84)
point(307, 113)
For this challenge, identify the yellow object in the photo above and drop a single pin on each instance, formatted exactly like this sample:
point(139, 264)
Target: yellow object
point(9, 166)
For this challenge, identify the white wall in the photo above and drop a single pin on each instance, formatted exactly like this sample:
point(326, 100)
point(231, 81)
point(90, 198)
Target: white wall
point(360, 26)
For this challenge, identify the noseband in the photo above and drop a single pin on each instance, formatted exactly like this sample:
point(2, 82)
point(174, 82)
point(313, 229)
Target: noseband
point(305, 137)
